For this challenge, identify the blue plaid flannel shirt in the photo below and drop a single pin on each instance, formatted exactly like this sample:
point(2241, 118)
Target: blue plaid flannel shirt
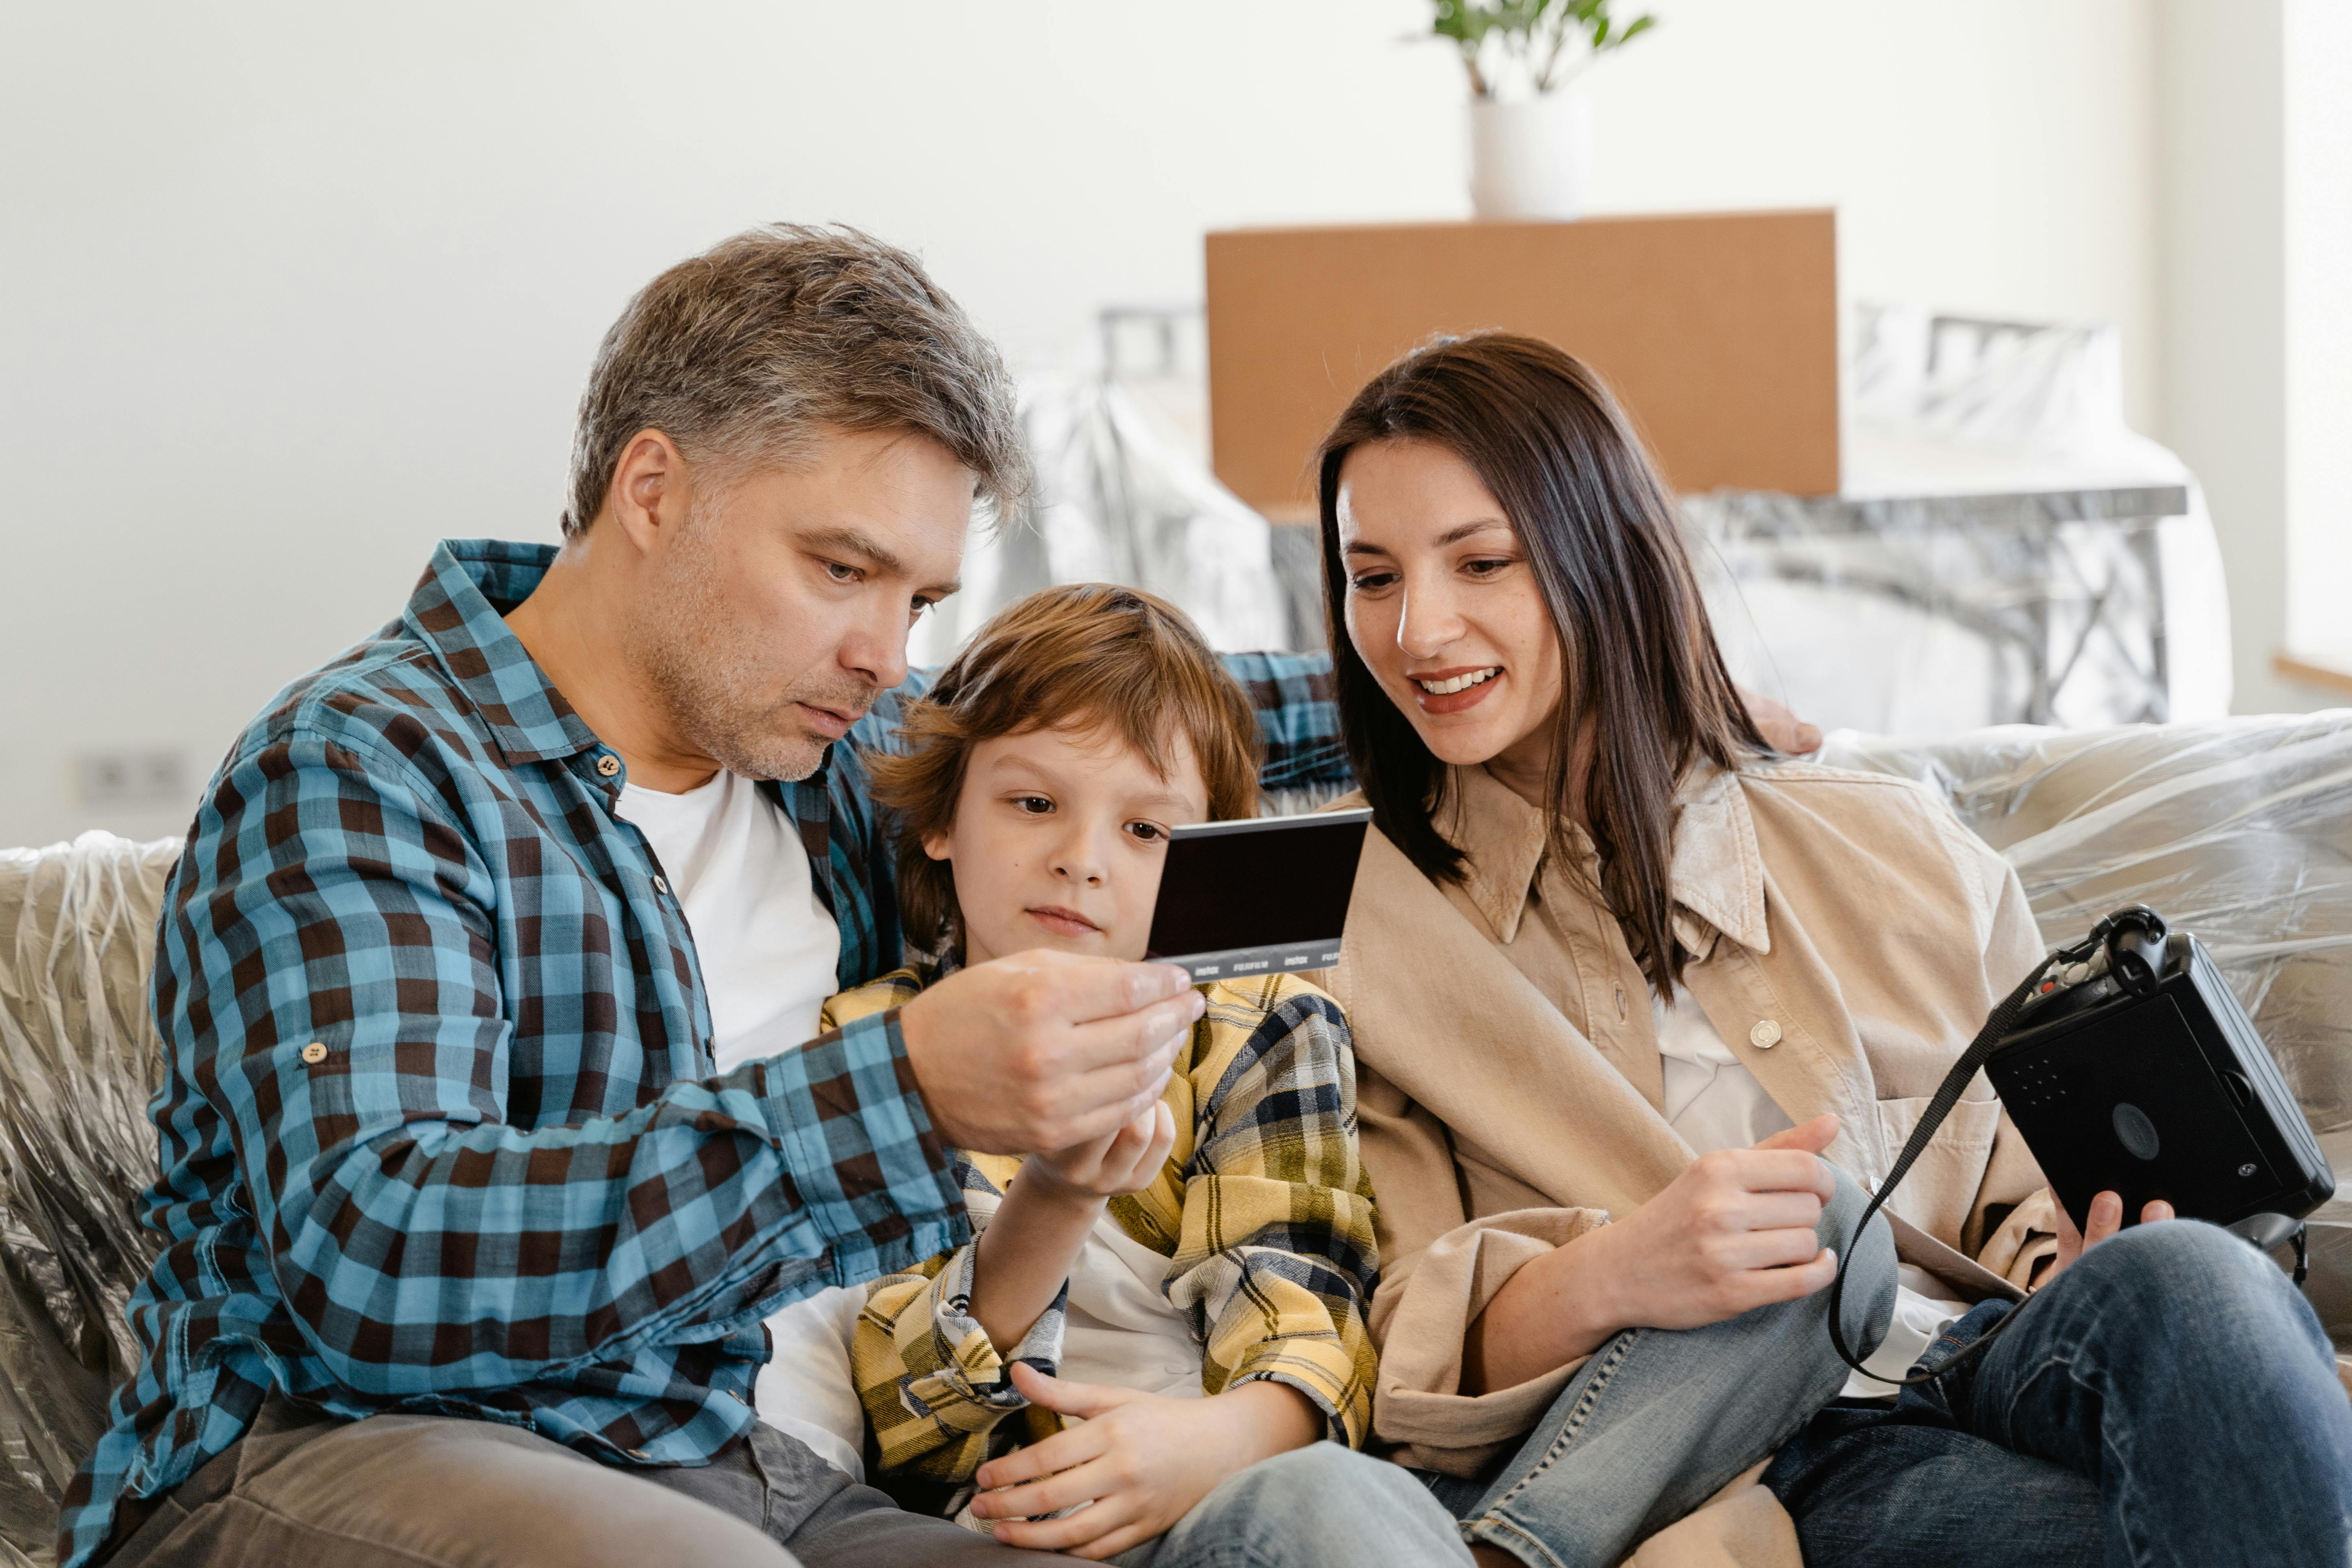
point(441, 1130)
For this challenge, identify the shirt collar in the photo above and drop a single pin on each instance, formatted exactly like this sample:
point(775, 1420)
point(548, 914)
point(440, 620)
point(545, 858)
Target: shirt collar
point(1716, 875)
point(467, 586)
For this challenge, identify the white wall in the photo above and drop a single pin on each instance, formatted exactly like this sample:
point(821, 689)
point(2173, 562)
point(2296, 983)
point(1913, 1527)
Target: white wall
point(2318, 183)
point(2223, 270)
point(288, 291)
point(2255, 203)
point(1993, 159)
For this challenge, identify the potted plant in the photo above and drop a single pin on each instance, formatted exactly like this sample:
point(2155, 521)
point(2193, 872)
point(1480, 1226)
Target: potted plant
point(1530, 123)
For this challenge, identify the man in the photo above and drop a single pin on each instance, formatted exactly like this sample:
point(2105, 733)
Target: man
point(479, 1172)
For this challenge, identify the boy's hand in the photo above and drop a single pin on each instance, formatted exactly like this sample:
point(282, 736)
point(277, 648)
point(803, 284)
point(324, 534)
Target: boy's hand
point(1126, 1162)
point(1044, 1050)
point(1027, 1249)
point(1139, 1461)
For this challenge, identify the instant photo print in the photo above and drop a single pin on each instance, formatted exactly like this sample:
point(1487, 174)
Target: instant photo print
point(1238, 899)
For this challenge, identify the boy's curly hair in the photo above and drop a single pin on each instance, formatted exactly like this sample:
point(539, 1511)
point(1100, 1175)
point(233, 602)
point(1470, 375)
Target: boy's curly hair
point(1088, 656)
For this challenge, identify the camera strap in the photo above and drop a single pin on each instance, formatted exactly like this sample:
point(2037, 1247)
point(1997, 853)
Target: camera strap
point(1947, 1094)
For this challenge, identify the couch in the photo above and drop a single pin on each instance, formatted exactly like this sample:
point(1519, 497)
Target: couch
point(2239, 830)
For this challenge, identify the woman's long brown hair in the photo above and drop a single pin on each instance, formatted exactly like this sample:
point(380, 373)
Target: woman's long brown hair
point(1638, 658)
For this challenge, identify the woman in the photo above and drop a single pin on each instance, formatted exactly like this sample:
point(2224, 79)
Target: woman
point(1610, 958)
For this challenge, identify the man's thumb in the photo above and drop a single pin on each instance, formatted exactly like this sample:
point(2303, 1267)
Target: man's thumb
point(1813, 1136)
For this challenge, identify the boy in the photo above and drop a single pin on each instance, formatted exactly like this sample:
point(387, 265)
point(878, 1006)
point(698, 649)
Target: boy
point(1221, 1246)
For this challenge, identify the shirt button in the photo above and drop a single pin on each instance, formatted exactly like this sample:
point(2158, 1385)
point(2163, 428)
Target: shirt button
point(1765, 1035)
point(1620, 1003)
point(608, 765)
point(660, 886)
point(314, 1053)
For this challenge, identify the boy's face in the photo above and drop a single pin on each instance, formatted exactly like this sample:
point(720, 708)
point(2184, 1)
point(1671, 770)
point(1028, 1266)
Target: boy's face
point(1058, 839)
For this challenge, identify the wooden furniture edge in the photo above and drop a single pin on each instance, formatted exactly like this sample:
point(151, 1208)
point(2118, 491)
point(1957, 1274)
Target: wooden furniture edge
point(2311, 669)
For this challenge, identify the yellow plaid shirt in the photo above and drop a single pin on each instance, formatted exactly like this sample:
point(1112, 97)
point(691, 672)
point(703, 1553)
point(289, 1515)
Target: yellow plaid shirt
point(1262, 1211)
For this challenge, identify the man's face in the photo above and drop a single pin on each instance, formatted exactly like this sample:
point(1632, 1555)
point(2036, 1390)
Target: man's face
point(771, 622)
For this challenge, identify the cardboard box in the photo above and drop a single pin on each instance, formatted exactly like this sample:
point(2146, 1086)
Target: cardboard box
point(1718, 333)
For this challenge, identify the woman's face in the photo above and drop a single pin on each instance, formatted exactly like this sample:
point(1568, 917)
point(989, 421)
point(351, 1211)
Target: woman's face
point(1443, 606)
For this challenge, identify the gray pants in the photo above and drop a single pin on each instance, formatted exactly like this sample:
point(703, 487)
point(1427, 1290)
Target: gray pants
point(425, 1491)
point(428, 1491)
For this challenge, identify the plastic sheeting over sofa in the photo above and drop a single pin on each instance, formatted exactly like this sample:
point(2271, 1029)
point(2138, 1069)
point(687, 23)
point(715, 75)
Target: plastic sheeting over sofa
point(79, 1060)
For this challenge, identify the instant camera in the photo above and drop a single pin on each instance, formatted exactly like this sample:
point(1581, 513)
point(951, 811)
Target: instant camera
point(2129, 1067)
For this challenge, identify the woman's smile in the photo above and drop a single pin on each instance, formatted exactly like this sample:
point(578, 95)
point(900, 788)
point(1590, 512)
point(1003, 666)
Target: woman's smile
point(1455, 689)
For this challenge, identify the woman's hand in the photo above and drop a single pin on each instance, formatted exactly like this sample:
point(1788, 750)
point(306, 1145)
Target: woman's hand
point(1125, 1162)
point(1735, 1231)
point(1139, 1462)
point(2106, 1218)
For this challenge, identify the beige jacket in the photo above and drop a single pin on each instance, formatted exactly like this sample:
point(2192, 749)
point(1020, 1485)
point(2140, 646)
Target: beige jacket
point(1849, 936)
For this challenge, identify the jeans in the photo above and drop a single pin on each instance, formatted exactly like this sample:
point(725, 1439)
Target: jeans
point(1660, 1420)
point(1313, 1507)
point(2170, 1399)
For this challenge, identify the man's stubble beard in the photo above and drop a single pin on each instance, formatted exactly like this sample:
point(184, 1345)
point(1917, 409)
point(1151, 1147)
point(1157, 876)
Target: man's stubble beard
point(701, 668)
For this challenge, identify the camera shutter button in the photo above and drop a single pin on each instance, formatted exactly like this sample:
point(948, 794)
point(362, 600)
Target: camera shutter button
point(1765, 1035)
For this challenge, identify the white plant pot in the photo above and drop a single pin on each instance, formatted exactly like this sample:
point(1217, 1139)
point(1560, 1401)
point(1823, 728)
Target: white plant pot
point(1531, 159)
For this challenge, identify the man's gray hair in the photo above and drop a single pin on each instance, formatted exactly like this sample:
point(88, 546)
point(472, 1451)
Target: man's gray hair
point(742, 352)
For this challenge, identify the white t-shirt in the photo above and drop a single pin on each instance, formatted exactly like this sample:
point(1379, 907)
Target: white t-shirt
point(1715, 1102)
point(768, 946)
point(769, 953)
point(1119, 1327)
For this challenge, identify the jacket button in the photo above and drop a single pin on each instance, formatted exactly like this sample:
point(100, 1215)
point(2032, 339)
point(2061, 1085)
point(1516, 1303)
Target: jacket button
point(1765, 1035)
point(314, 1053)
point(608, 765)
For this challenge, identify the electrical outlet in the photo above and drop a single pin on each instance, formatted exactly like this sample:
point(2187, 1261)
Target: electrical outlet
point(153, 775)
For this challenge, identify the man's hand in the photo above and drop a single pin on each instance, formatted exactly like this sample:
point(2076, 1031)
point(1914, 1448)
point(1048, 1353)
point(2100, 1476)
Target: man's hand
point(1045, 1050)
point(2106, 1218)
point(1139, 1462)
point(1735, 1230)
point(1778, 724)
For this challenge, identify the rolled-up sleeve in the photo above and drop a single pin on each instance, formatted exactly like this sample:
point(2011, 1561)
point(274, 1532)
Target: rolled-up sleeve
point(935, 1387)
point(1440, 1270)
point(334, 969)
